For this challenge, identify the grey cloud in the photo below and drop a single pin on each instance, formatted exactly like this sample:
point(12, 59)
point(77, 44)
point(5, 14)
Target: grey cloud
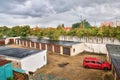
point(48, 12)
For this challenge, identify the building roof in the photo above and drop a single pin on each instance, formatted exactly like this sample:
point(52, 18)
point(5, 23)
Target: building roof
point(114, 53)
point(116, 63)
point(1, 39)
point(59, 42)
point(55, 42)
point(17, 52)
point(3, 62)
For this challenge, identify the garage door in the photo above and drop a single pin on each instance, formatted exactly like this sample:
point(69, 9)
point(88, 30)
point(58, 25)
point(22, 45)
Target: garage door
point(2, 42)
point(21, 42)
point(66, 51)
point(49, 47)
point(17, 41)
point(24, 43)
point(42, 46)
point(57, 49)
point(37, 45)
point(11, 41)
point(32, 44)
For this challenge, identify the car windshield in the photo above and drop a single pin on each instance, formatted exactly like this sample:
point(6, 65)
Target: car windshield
point(100, 62)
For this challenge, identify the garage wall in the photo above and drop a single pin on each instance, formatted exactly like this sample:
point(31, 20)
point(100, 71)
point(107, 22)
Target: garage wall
point(95, 48)
point(31, 63)
point(15, 62)
point(77, 48)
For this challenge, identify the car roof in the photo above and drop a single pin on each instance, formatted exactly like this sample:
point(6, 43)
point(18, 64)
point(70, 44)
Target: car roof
point(92, 58)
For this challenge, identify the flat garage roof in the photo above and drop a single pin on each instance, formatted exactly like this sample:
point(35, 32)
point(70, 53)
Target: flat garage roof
point(114, 53)
point(3, 62)
point(17, 52)
point(57, 42)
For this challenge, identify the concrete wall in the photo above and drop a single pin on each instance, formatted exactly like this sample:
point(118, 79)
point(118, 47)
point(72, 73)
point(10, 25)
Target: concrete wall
point(31, 63)
point(77, 48)
point(15, 62)
point(95, 48)
point(96, 40)
point(92, 44)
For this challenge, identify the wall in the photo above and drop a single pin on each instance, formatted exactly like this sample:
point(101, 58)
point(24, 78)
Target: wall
point(6, 71)
point(15, 62)
point(96, 40)
point(77, 48)
point(7, 40)
point(92, 44)
point(31, 63)
point(95, 48)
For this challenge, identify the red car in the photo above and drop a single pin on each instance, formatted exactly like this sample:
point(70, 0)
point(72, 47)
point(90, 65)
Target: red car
point(90, 62)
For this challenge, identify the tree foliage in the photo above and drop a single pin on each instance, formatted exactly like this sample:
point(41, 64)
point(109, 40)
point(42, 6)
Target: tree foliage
point(83, 24)
point(54, 33)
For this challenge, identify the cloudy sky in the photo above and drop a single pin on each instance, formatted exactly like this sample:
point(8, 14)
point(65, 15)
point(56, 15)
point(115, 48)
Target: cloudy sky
point(53, 12)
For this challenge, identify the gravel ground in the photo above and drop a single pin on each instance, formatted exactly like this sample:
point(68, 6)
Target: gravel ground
point(69, 68)
point(60, 67)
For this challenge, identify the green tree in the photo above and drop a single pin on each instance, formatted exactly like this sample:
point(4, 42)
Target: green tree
point(25, 31)
point(1, 35)
point(117, 33)
point(76, 25)
point(4, 30)
point(86, 24)
point(82, 24)
point(93, 31)
point(60, 26)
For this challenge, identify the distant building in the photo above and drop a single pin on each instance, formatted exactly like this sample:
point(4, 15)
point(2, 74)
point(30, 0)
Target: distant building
point(111, 23)
point(67, 28)
point(107, 23)
point(116, 24)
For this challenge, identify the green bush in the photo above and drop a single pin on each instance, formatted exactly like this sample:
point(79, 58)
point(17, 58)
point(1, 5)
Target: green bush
point(10, 78)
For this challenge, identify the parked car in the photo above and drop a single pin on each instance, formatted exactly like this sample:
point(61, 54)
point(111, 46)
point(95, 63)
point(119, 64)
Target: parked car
point(91, 62)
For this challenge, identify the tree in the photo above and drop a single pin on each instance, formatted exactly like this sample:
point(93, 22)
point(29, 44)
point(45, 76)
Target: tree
point(25, 31)
point(1, 35)
point(117, 33)
point(60, 26)
point(76, 25)
point(4, 30)
point(14, 31)
point(93, 31)
point(100, 32)
point(84, 24)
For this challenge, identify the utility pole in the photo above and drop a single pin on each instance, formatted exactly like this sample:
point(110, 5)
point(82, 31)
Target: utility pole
point(81, 21)
point(116, 22)
point(95, 23)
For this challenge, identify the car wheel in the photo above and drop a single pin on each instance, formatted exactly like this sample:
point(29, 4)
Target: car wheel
point(105, 68)
point(86, 67)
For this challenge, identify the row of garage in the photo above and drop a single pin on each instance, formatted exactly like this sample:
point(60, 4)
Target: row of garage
point(59, 47)
point(7, 41)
